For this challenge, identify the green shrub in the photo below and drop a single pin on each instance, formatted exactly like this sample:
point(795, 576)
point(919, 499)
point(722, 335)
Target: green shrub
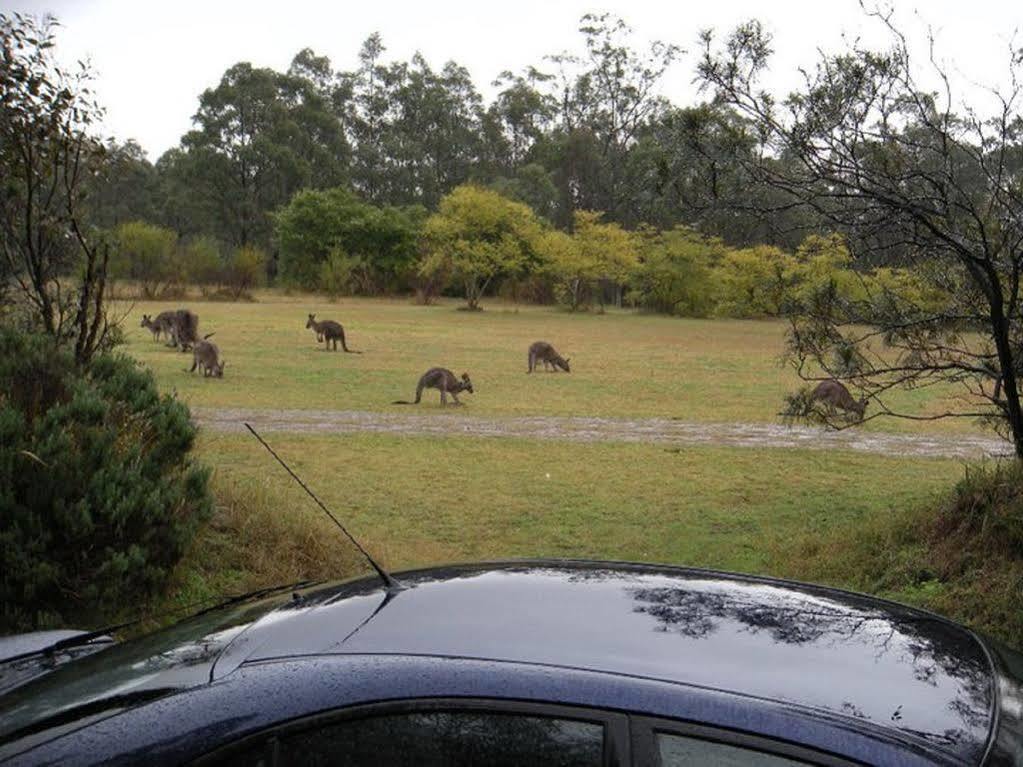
point(244, 271)
point(148, 255)
point(98, 497)
point(202, 263)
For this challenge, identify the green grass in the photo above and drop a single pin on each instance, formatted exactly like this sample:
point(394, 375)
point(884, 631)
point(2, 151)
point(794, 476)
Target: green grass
point(419, 500)
point(836, 517)
point(623, 363)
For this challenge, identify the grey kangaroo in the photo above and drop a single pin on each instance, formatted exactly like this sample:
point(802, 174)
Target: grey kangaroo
point(184, 329)
point(206, 357)
point(159, 324)
point(329, 331)
point(834, 394)
point(541, 351)
point(443, 380)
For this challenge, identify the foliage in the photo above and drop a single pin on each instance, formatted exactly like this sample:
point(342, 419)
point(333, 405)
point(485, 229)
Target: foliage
point(315, 223)
point(46, 152)
point(201, 263)
point(98, 498)
point(958, 554)
point(919, 180)
point(755, 282)
point(608, 247)
point(477, 235)
point(147, 254)
point(336, 273)
point(244, 271)
point(564, 261)
point(260, 137)
point(676, 272)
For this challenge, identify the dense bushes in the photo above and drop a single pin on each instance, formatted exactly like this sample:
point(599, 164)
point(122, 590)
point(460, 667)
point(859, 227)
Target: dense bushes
point(318, 225)
point(480, 242)
point(161, 264)
point(98, 498)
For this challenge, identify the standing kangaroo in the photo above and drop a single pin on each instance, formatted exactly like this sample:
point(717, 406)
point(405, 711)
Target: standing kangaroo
point(159, 324)
point(329, 331)
point(834, 394)
point(543, 352)
point(206, 357)
point(184, 329)
point(444, 380)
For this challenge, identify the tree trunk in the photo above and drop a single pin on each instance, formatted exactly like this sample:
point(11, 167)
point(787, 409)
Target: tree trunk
point(1013, 411)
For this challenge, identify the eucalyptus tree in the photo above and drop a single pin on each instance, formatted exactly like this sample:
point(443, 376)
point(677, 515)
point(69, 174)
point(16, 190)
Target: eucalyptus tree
point(55, 261)
point(605, 98)
point(918, 178)
point(259, 137)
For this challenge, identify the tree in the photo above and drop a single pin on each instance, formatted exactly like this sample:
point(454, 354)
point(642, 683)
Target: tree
point(573, 271)
point(124, 189)
point(56, 261)
point(148, 255)
point(609, 247)
point(477, 236)
point(260, 137)
point(607, 96)
point(201, 263)
point(914, 183)
point(676, 271)
point(315, 224)
point(243, 271)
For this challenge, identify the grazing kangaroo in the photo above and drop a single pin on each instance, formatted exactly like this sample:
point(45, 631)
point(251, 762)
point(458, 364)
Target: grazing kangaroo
point(834, 394)
point(543, 352)
point(329, 331)
point(206, 357)
point(444, 380)
point(184, 329)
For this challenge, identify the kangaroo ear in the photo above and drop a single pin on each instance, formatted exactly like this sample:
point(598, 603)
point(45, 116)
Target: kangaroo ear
point(465, 376)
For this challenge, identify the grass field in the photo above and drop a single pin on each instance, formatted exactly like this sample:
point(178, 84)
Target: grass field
point(623, 363)
point(419, 500)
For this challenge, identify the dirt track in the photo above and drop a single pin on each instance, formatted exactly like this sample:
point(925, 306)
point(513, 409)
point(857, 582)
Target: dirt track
point(660, 431)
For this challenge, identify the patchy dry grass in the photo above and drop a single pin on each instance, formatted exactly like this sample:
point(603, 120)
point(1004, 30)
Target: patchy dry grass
point(836, 517)
point(623, 363)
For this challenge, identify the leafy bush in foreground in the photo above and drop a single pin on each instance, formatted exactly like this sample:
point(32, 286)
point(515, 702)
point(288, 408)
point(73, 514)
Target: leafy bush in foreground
point(98, 497)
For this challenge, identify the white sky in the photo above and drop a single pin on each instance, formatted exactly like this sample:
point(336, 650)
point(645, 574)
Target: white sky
point(153, 59)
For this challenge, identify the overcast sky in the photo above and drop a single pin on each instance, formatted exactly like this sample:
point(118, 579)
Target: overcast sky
point(154, 59)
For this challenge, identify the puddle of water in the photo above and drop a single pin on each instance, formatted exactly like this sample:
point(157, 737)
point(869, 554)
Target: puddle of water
point(600, 429)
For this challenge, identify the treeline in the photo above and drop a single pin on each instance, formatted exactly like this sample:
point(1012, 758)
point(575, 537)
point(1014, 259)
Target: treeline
point(480, 242)
point(583, 132)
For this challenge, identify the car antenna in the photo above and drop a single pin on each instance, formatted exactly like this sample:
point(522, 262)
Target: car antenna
point(387, 578)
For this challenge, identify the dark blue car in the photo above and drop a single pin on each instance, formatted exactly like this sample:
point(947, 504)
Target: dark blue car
point(545, 663)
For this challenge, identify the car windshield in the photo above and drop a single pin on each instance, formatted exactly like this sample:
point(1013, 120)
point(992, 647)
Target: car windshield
point(177, 657)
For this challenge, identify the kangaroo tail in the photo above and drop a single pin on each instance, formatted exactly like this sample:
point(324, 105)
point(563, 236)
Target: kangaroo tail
point(209, 335)
point(419, 396)
point(345, 346)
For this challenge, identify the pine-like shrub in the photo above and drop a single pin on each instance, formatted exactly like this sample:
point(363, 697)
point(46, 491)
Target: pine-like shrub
point(98, 495)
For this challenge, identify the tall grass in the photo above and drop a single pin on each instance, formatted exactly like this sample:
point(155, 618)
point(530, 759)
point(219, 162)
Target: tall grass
point(961, 556)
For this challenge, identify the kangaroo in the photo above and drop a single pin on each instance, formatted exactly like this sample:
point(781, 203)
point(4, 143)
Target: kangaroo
point(541, 351)
point(206, 357)
point(444, 380)
point(158, 325)
point(184, 329)
point(834, 395)
point(329, 331)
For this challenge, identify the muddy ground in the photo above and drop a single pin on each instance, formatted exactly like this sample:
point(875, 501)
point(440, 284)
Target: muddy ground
point(668, 432)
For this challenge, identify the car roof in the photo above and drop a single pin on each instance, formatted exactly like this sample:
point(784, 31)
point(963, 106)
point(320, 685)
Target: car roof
point(874, 663)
